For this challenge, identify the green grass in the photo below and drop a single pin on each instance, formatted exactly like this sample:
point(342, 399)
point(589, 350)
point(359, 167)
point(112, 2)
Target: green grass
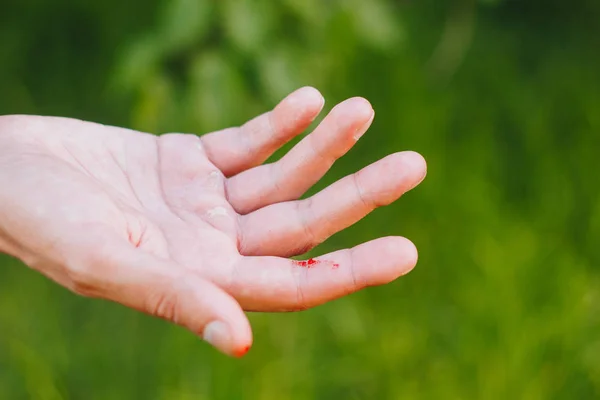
point(505, 300)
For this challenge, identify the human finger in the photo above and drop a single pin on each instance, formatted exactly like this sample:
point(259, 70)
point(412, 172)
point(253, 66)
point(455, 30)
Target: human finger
point(292, 228)
point(236, 149)
point(292, 175)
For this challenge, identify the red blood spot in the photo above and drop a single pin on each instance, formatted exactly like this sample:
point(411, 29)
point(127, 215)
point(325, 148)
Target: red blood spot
point(311, 263)
point(240, 352)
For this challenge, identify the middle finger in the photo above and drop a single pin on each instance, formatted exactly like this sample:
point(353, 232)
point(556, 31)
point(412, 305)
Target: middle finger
point(306, 163)
point(294, 227)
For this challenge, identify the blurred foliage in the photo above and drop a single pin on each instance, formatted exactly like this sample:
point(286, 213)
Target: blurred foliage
point(501, 97)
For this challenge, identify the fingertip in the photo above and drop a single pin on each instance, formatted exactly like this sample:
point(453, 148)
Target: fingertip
point(310, 96)
point(230, 338)
point(401, 253)
point(208, 311)
point(360, 107)
point(360, 102)
point(411, 165)
point(243, 341)
point(241, 334)
point(241, 351)
point(395, 256)
point(308, 92)
point(409, 255)
point(416, 162)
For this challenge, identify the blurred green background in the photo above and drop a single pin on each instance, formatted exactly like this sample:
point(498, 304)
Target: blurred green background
point(501, 97)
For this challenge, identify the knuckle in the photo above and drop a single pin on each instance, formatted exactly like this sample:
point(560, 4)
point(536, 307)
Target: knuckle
point(165, 301)
point(364, 200)
point(164, 305)
point(355, 283)
point(301, 303)
point(304, 214)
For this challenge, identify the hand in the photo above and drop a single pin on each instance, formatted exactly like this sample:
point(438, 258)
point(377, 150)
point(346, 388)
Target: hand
point(193, 229)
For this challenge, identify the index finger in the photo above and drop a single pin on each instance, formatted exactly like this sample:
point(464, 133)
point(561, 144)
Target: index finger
point(280, 284)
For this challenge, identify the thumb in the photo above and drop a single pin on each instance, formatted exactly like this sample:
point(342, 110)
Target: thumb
point(114, 270)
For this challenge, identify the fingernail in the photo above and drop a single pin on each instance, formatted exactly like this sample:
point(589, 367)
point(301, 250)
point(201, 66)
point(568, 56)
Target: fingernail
point(241, 352)
point(217, 334)
point(308, 95)
point(361, 131)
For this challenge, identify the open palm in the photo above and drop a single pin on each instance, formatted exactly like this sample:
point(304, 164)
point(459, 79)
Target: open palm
point(194, 229)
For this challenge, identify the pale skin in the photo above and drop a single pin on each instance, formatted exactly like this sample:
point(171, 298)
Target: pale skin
point(196, 229)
